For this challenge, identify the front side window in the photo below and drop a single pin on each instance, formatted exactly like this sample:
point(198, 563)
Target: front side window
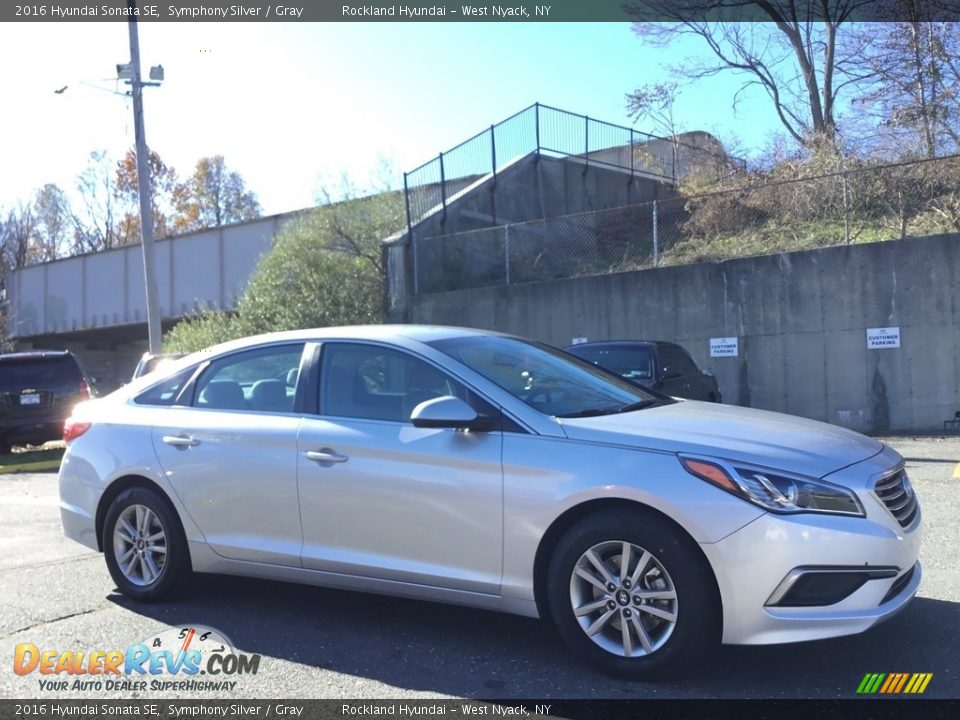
point(676, 356)
point(372, 382)
point(545, 378)
point(261, 380)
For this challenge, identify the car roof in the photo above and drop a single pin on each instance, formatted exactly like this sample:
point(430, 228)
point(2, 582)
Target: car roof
point(35, 355)
point(421, 333)
point(619, 343)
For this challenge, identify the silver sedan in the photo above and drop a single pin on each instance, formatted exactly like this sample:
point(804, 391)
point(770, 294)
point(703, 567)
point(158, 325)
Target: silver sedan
point(481, 469)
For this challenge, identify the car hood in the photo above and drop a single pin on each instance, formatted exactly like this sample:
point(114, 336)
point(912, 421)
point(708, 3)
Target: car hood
point(752, 436)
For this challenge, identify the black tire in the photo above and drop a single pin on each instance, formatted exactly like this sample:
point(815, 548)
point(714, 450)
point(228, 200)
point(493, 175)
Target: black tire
point(176, 565)
point(697, 628)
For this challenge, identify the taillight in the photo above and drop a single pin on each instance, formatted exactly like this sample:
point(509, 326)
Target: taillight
point(73, 429)
point(84, 390)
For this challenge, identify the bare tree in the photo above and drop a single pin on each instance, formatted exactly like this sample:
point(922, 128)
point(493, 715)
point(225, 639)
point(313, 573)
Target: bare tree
point(99, 225)
point(911, 91)
point(792, 55)
point(213, 196)
point(54, 222)
point(18, 237)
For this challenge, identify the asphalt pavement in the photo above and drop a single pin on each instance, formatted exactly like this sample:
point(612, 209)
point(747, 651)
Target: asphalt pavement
point(317, 643)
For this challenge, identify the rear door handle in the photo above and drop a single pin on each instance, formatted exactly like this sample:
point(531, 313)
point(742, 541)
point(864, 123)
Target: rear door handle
point(180, 441)
point(325, 456)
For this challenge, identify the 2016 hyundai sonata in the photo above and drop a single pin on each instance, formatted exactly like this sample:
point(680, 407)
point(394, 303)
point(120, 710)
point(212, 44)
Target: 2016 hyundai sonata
point(474, 468)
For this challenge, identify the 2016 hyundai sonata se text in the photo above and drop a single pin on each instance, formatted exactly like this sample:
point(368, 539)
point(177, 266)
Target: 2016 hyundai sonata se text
point(469, 467)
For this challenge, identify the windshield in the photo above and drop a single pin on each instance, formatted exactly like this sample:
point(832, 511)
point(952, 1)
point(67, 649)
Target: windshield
point(545, 378)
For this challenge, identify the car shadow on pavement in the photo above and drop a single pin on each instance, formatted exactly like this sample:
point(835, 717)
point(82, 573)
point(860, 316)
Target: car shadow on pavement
point(433, 648)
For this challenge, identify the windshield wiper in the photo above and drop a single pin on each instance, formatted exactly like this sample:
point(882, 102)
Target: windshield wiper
point(638, 405)
point(590, 412)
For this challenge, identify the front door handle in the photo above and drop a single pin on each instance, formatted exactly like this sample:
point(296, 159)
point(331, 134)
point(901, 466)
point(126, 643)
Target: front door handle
point(326, 455)
point(180, 441)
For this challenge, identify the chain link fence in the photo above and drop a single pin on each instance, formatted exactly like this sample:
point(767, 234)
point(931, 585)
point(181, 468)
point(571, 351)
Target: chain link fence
point(866, 204)
point(558, 133)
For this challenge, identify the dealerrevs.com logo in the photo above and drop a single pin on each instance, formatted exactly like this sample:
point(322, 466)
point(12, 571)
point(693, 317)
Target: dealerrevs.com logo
point(186, 658)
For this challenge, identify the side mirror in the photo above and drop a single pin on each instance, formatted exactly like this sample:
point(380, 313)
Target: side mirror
point(671, 372)
point(449, 412)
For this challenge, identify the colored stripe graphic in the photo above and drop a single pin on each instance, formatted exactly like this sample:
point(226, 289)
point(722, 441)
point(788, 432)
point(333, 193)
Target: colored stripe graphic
point(894, 683)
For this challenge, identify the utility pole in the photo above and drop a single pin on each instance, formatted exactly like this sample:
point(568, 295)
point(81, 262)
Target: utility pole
point(143, 185)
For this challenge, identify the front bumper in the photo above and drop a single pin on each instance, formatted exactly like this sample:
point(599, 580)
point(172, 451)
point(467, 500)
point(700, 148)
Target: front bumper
point(752, 563)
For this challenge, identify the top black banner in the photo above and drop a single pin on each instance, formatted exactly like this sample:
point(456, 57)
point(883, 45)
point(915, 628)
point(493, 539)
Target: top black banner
point(545, 11)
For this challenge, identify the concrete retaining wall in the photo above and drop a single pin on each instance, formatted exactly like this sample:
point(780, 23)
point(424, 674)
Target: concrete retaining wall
point(801, 319)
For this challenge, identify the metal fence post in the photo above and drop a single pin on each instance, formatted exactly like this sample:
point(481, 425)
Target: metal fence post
point(656, 243)
point(493, 164)
point(846, 212)
point(406, 196)
point(536, 122)
point(631, 154)
point(443, 189)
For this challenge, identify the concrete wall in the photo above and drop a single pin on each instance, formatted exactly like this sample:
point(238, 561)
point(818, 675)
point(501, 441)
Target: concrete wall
point(801, 319)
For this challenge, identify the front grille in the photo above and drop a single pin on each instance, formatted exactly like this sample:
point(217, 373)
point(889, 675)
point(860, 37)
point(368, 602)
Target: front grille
point(896, 493)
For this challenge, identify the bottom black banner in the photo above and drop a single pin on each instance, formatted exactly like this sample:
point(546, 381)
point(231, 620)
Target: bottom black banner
point(520, 709)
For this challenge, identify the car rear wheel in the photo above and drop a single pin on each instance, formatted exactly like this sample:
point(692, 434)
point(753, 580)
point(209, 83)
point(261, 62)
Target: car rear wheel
point(630, 596)
point(144, 545)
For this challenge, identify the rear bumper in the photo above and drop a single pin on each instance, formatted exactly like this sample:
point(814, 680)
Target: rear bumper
point(32, 430)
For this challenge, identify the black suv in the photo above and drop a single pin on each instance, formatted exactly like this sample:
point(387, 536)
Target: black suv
point(37, 393)
point(663, 366)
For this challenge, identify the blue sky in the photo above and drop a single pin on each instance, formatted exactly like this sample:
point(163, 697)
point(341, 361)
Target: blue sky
point(295, 106)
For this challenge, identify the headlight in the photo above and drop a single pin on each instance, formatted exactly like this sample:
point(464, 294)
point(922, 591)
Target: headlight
point(776, 492)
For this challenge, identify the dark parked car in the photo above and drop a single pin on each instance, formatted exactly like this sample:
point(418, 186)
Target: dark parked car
point(37, 393)
point(662, 366)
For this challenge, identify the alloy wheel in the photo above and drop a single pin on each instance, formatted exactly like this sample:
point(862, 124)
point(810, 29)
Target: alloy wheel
point(140, 545)
point(623, 598)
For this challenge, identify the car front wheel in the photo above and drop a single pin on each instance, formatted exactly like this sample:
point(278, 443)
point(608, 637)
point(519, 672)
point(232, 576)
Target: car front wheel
point(144, 545)
point(631, 596)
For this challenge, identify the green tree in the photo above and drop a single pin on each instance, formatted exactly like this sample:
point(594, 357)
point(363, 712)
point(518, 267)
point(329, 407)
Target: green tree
point(324, 269)
point(213, 196)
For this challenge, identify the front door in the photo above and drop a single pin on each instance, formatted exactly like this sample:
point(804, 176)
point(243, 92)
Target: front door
point(380, 498)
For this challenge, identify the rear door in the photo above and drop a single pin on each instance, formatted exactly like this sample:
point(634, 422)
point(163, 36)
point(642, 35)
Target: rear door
point(230, 453)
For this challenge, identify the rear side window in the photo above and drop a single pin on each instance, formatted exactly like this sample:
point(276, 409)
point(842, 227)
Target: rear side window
point(262, 380)
point(635, 363)
point(39, 373)
point(166, 392)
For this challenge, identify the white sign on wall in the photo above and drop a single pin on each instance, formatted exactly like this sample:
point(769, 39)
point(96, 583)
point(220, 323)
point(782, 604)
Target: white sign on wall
point(578, 341)
point(883, 338)
point(724, 347)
